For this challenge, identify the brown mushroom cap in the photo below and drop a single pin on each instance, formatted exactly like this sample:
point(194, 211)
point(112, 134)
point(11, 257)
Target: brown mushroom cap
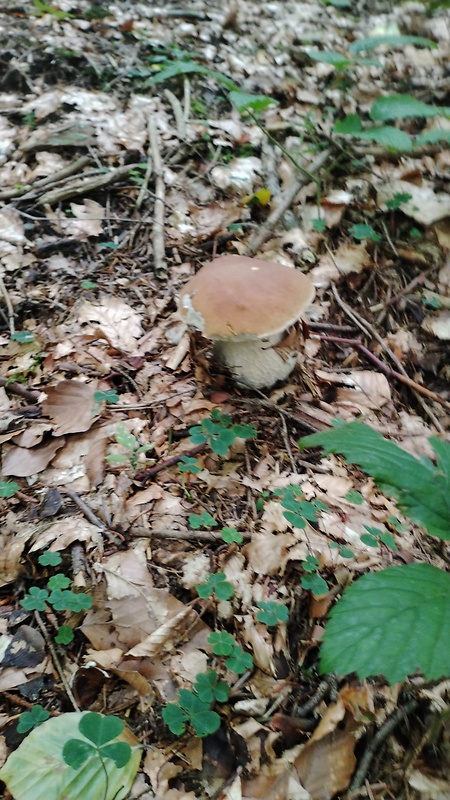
point(236, 296)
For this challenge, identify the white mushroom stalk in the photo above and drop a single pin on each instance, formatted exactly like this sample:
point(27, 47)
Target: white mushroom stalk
point(245, 306)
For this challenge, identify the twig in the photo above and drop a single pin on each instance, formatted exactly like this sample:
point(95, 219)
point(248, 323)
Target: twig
point(177, 112)
point(61, 174)
point(169, 462)
point(89, 514)
point(386, 370)
point(159, 254)
point(284, 201)
point(202, 536)
point(8, 303)
point(55, 660)
point(17, 388)
point(307, 422)
point(380, 736)
point(322, 690)
point(86, 185)
point(145, 182)
point(287, 443)
point(370, 331)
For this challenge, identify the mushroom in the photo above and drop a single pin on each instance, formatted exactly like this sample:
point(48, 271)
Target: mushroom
point(245, 306)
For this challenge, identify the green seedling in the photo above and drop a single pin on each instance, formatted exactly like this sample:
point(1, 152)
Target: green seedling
point(318, 225)
point(49, 559)
point(65, 635)
point(298, 511)
point(344, 551)
point(354, 497)
point(210, 689)
point(222, 643)
point(190, 710)
point(239, 661)
point(363, 231)
point(231, 536)
point(108, 396)
point(189, 464)
point(100, 731)
point(272, 613)
point(204, 520)
point(398, 200)
point(32, 719)
point(374, 537)
point(219, 432)
point(130, 444)
point(312, 581)
point(216, 585)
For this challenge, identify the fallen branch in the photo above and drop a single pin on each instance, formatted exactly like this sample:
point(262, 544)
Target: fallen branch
point(159, 253)
point(84, 186)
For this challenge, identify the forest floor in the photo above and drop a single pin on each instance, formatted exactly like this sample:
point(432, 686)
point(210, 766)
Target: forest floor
point(131, 153)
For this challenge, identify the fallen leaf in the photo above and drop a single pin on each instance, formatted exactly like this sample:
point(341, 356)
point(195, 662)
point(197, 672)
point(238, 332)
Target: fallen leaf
point(114, 320)
point(71, 407)
point(22, 463)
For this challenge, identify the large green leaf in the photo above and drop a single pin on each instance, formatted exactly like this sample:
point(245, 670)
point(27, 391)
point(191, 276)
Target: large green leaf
point(420, 488)
point(401, 106)
point(393, 623)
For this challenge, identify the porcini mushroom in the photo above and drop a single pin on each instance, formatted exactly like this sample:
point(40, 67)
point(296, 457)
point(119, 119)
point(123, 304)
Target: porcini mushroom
point(245, 306)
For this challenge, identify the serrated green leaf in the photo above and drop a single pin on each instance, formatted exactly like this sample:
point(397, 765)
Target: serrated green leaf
point(420, 489)
point(402, 106)
point(393, 623)
point(432, 137)
point(184, 68)
point(394, 40)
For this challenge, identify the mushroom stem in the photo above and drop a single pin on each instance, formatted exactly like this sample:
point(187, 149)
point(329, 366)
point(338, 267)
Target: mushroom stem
point(255, 363)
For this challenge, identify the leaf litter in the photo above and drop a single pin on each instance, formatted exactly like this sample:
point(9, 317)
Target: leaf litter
point(112, 381)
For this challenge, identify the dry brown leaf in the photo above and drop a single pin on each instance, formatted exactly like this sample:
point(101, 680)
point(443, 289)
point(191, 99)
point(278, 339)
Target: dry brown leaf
point(438, 325)
point(326, 766)
point(70, 406)
point(22, 463)
point(425, 205)
point(114, 320)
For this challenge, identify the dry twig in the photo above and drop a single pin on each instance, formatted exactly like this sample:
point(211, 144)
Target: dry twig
point(159, 253)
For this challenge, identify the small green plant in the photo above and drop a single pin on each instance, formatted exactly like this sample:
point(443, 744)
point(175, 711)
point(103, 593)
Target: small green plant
point(312, 581)
point(364, 231)
point(231, 536)
point(354, 497)
point(189, 464)
point(239, 660)
point(88, 285)
point(204, 520)
point(398, 199)
point(191, 710)
point(272, 613)
point(65, 635)
point(130, 444)
point(222, 643)
point(374, 537)
point(217, 585)
point(108, 396)
point(344, 551)
point(393, 622)
point(100, 731)
point(32, 719)
point(219, 432)
point(298, 511)
point(8, 488)
point(49, 559)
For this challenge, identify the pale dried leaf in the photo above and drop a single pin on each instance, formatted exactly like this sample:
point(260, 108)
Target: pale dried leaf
point(438, 325)
point(114, 320)
point(22, 463)
point(425, 205)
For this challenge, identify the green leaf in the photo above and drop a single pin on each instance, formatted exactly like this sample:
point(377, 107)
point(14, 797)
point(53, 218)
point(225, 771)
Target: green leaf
point(315, 584)
point(432, 137)
point(351, 124)
point(64, 600)
point(8, 488)
point(222, 643)
point(76, 752)
point(216, 584)
point(239, 661)
point(363, 231)
point(175, 718)
point(250, 102)
point(354, 497)
point(231, 535)
point(272, 613)
point(402, 106)
point(204, 520)
point(188, 464)
point(420, 489)
point(119, 752)
point(395, 40)
point(65, 635)
point(177, 68)
point(369, 539)
point(125, 438)
point(35, 600)
point(50, 559)
point(100, 729)
point(58, 581)
point(391, 137)
point(397, 200)
point(88, 285)
point(110, 396)
point(392, 623)
point(32, 719)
